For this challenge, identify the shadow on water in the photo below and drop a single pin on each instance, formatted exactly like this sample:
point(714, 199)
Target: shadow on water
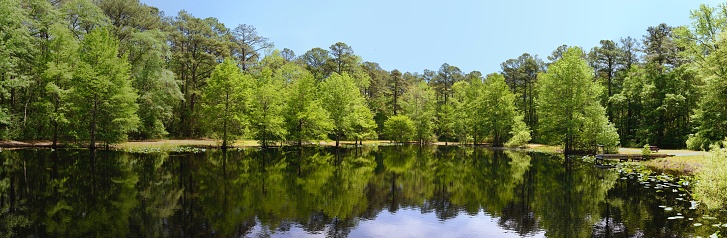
point(298, 192)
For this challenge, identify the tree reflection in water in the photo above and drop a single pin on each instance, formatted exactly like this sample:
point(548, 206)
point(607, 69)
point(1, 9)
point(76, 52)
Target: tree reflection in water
point(317, 191)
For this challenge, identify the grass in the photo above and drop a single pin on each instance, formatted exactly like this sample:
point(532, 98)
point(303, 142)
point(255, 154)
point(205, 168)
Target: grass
point(544, 148)
point(685, 164)
point(682, 162)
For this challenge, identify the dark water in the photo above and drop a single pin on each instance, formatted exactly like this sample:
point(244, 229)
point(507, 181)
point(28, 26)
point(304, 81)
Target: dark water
point(370, 192)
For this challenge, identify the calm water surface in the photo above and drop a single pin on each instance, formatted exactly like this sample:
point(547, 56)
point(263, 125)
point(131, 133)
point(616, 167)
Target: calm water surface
point(392, 191)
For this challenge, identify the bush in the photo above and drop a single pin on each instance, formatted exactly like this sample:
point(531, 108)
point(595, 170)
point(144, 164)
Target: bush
point(646, 151)
point(711, 186)
point(520, 134)
point(399, 128)
point(697, 142)
point(520, 139)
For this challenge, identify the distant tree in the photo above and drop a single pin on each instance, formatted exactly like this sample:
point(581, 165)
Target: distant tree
point(305, 117)
point(605, 61)
point(378, 94)
point(445, 122)
point(399, 128)
point(288, 55)
point(83, 16)
point(419, 104)
point(267, 105)
point(342, 59)
point(315, 61)
point(500, 115)
point(521, 74)
point(345, 104)
point(197, 46)
point(247, 45)
point(227, 98)
point(468, 111)
point(397, 87)
point(443, 81)
point(569, 113)
point(143, 38)
point(558, 53)
point(670, 90)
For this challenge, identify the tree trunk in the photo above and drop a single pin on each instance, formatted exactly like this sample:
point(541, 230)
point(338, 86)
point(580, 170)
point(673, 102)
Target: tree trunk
point(55, 126)
point(93, 122)
point(338, 138)
point(224, 121)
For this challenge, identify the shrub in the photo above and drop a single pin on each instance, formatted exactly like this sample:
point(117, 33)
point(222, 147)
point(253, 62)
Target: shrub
point(711, 186)
point(646, 151)
point(399, 128)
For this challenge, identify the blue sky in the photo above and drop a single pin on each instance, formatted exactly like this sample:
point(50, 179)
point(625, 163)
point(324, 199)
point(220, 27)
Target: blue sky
point(416, 35)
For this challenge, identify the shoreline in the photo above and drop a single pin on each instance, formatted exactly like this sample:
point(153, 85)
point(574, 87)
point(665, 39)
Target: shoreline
point(682, 161)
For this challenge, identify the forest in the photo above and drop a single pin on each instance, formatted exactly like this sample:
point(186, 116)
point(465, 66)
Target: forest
point(105, 71)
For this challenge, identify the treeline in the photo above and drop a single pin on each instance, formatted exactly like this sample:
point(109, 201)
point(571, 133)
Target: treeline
point(112, 70)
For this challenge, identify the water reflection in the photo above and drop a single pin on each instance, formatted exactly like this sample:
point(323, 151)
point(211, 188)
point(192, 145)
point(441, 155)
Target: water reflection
point(384, 191)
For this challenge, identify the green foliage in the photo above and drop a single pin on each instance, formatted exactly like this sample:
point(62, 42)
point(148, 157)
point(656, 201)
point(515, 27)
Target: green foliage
point(15, 48)
point(197, 45)
point(346, 106)
point(104, 100)
point(569, 113)
point(400, 128)
point(305, 117)
point(419, 103)
point(646, 151)
point(501, 118)
point(520, 134)
point(711, 187)
point(266, 109)
point(158, 89)
point(227, 98)
point(711, 116)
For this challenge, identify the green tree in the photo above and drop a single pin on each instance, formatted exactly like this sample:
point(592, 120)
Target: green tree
point(158, 89)
point(377, 94)
point(345, 104)
point(704, 44)
point(140, 31)
point(444, 80)
point(521, 74)
point(61, 67)
point(15, 47)
point(266, 110)
point(226, 100)
point(315, 60)
point(468, 110)
point(305, 117)
point(247, 45)
point(197, 45)
point(400, 128)
point(568, 105)
point(605, 60)
point(83, 16)
point(501, 118)
point(670, 90)
point(104, 100)
point(419, 103)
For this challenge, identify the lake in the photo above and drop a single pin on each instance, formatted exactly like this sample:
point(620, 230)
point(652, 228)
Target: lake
point(385, 191)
